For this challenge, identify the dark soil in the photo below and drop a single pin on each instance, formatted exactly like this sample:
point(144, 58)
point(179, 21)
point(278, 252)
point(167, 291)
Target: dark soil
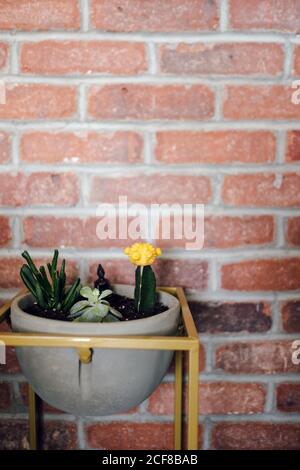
point(121, 303)
point(126, 307)
point(50, 314)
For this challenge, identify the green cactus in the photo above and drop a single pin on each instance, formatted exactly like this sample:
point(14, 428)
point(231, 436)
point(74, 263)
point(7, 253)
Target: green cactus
point(145, 289)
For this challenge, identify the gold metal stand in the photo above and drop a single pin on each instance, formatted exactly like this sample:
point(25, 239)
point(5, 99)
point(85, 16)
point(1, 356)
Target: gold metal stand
point(188, 342)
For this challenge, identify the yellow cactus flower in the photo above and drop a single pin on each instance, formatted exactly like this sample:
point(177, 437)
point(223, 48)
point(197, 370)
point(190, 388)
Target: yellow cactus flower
point(142, 254)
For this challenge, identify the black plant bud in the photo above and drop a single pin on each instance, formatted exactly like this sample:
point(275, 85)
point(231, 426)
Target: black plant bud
point(101, 283)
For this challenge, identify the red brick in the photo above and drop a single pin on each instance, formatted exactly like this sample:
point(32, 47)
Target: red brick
point(73, 232)
point(296, 68)
point(288, 397)
point(39, 101)
point(232, 398)
point(122, 435)
point(222, 59)
point(214, 398)
point(60, 435)
point(86, 57)
point(280, 15)
point(13, 435)
point(39, 15)
point(49, 189)
point(5, 231)
point(293, 146)
point(57, 435)
point(256, 436)
point(5, 147)
point(189, 273)
point(260, 357)
point(263, 189)
point(138, 15)
point(259, 102)
point(290, 313)
point(150, 102)
point(215, 147)
point(82, 147)
point(5, 400)
point(293, 231)
point(151, 189)
point(231, 317)
point(228, 232)
point(219, 231)
point(4, 50)
point(265, 274)
point(10, 269)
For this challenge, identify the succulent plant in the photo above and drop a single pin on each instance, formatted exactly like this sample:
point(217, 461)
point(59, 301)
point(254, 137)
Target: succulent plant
point(50, 290)
point(94, 308)
point(143, 255)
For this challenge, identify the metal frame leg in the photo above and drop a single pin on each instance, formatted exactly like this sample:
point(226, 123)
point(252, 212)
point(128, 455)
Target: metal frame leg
point(32, 419)
point(192, 443)
point(178, 401)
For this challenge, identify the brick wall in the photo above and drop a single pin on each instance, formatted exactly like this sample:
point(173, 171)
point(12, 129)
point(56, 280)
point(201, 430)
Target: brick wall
point(193, 99)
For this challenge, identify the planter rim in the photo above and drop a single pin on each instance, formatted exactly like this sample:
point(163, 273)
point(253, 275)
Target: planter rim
point(45, 324)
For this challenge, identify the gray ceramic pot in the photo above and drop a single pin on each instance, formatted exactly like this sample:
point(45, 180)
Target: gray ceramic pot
point(115, 380)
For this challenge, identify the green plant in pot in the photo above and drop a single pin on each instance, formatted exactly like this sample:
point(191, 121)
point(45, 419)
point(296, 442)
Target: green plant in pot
point(115, 380)
point(49, 290)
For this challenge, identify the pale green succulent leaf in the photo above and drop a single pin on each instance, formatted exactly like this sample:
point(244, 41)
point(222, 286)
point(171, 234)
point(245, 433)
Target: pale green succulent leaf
point(94, 313)
point(102, 310)
point(110, 318)
point(105, 293)
point(81, 305)
point(115, 312)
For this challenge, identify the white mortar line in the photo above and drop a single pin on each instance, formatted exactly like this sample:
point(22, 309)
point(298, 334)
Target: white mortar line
point(176, 254)
point(218, 103)
point(15, 150)
point(197, 36)
point(17, 232)
point(84, 9)
point(81, 102)
point(207, 434)
point(281, 147)
point(148, 145)
point(224, 12)
point(151, 56)
point(153, 125)
point(80, 433)
point(280, 231)
point(85, 212)
point(14, 61)
point(116, 171)
point(288, 63)
point(249, 338)
point(147, 79)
